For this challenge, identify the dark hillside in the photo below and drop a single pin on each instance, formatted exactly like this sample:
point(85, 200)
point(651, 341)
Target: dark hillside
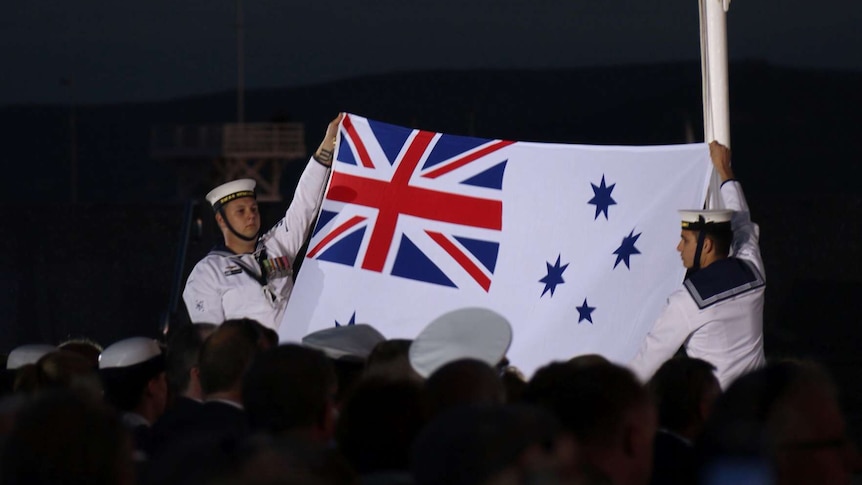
point(783, 122)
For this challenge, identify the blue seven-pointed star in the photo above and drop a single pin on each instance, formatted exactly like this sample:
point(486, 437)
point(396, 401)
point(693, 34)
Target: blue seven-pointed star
point(554, 276)
point(627, 248)
point(351, 322)
point(585, 312)
point(602, 198)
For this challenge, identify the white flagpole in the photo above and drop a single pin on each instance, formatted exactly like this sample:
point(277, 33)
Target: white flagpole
point(716, 104)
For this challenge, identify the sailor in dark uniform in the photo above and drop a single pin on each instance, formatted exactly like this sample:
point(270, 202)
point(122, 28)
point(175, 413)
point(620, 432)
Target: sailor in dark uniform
point(717, 315)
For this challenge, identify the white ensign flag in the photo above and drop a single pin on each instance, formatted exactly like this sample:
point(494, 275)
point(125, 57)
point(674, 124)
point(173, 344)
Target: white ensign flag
point(575, 245)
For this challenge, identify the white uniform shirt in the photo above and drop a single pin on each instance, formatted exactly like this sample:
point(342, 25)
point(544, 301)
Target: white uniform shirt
point(728, 334)
point(218, 288)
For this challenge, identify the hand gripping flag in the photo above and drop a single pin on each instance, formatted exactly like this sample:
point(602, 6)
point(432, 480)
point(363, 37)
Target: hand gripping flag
point(574, 244)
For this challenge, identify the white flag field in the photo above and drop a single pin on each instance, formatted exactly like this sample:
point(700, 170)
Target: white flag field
point(574, 244)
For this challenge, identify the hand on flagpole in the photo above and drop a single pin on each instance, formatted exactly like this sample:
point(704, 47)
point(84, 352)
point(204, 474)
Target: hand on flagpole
point(720, 156)
point(326, 149)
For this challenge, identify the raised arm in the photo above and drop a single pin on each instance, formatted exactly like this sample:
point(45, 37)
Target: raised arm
point(287, 237)
point(746, 234)
point(720, 156)
point(326, 150)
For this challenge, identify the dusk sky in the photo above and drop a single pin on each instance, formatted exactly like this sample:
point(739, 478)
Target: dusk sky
point(116, 51)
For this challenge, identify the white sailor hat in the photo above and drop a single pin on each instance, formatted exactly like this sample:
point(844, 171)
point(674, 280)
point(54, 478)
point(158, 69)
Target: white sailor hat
point(129, 352)
point(699, 220)
point(227, 192)
point(27, 354)
point(355, 341)
point(475, 333)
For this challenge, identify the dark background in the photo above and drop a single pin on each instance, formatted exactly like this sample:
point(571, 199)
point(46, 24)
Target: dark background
point(106, 267)
point(110, 51)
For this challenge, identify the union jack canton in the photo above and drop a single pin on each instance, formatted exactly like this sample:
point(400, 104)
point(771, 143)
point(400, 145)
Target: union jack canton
point(409, 203)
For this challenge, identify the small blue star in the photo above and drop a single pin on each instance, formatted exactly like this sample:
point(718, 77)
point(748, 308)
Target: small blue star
point(627, 248)
point(602, 198)
point(554, 276)
point(585, 312)
point(351, 322)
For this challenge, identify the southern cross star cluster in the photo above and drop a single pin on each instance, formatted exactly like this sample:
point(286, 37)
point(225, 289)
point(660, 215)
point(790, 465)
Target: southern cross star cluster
point(602, 200)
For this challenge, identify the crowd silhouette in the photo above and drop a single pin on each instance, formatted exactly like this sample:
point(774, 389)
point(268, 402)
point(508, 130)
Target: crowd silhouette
point(225, 404)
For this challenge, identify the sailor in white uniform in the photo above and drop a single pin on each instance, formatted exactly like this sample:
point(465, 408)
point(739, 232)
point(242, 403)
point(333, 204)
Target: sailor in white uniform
point(251, 275)
point(717, 315)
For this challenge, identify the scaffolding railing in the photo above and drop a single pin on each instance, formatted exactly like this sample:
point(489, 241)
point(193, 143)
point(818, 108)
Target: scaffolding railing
point(269, 140)
point(284, 141)
point(233, 150)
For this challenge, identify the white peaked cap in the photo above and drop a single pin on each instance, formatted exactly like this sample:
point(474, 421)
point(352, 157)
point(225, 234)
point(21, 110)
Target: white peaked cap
point(27, 354)
point(129, 352)
point(345, 341)
point(709, 216)
point(227, 192)
point(468, 333)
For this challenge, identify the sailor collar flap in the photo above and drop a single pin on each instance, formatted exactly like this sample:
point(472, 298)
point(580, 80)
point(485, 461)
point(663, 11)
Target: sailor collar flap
point(723, 280)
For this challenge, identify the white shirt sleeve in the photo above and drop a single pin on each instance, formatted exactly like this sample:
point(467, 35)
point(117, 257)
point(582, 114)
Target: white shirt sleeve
point(746, 234)
point(202, 295)
point(288, 236)
point(667, 335)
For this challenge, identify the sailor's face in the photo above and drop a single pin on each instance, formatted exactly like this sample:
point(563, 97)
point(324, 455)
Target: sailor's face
point(243, 216)
point(687, 247)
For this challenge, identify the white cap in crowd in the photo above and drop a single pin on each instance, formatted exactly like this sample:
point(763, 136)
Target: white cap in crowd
point(27, 354)
point(129, 352)
point(355, 341)
point(475, 333)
